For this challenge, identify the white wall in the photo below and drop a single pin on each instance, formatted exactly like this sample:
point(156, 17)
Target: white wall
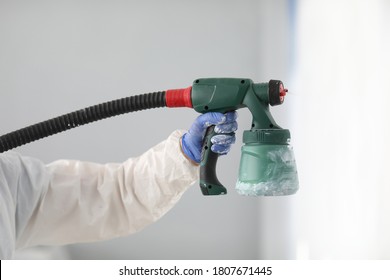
point(59, 56)
point(341, 119)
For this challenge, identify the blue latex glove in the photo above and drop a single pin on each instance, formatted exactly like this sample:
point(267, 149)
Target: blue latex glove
point(224, 123)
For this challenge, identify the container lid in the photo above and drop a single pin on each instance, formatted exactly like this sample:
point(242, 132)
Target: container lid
point(267, 136)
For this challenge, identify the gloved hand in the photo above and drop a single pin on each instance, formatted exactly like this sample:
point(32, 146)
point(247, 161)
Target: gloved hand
point(192, 141)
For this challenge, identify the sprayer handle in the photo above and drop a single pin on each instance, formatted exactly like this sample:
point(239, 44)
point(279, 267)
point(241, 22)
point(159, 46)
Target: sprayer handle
point(209, 183)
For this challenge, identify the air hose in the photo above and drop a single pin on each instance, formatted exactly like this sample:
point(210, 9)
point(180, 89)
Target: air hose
point(169, 98)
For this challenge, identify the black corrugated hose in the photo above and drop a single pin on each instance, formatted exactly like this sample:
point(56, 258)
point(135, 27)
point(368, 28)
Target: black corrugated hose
point(74, 119)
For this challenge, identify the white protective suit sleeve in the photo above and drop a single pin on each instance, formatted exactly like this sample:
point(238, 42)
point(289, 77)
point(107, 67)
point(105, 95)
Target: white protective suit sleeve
point(73, 201)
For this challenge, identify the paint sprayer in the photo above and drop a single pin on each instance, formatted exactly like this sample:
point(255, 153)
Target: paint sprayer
point(267, 166)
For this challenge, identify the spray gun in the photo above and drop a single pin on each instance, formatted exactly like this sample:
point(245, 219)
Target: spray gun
point(267, 165)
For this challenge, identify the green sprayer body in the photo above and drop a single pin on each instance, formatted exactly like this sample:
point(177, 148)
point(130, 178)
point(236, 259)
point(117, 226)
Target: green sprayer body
point(267, 165)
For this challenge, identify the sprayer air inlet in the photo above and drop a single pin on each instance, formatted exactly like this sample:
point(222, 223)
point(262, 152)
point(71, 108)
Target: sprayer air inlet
point(81, 117)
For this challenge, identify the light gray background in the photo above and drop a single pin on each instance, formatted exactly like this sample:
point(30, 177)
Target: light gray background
point(60, 56)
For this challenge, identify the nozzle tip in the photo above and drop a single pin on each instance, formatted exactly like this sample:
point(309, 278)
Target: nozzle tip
point(276, 92)
point(282, 92)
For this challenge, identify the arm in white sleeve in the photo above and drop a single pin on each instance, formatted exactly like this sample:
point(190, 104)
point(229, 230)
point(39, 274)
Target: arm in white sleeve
point(85, 202)
point(23, 181)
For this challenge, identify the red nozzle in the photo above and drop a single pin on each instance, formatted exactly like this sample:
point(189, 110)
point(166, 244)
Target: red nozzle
point(282, 92)
point(178, 97)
